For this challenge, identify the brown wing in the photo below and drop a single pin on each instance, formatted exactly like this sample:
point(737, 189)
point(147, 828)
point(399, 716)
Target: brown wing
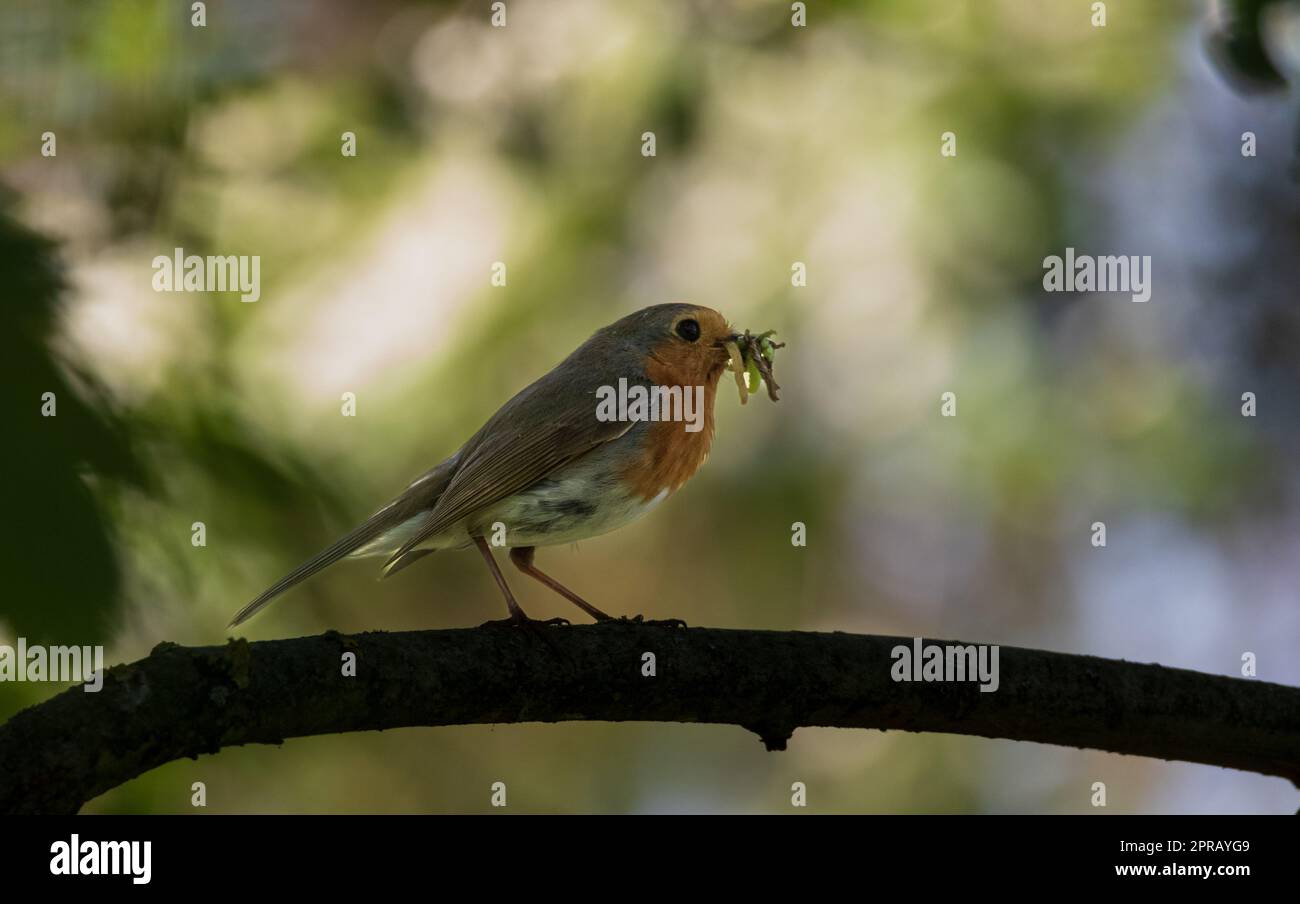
point(545, 426)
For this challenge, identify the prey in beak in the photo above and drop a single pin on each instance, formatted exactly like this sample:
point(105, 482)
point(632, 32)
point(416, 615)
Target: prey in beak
point(751, 358)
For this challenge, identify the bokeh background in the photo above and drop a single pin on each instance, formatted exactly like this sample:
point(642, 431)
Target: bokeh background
point(775, 144)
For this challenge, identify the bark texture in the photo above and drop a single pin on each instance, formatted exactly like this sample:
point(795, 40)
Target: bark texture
point(186, 701)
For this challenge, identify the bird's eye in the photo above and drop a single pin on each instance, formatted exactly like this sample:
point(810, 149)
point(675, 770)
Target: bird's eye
point(688, 330)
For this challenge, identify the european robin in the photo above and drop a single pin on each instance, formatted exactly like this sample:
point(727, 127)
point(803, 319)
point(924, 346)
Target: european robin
point(552, 466)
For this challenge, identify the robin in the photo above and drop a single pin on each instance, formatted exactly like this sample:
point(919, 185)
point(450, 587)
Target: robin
point(552, 466)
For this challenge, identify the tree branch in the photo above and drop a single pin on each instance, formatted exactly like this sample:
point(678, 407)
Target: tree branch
point(185, 701)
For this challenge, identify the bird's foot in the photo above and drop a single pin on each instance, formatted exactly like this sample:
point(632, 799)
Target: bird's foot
point(642, 620)
point(524, 622)
point(535, 627)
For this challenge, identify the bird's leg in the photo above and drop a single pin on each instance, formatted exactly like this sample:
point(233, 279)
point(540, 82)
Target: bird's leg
point(517, 615)
point(522, 557)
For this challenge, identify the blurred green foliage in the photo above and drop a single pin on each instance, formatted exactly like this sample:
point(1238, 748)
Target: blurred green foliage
point(61, 571)
point(522, 145)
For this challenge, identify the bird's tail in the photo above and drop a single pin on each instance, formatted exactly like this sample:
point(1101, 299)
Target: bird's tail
point(380, 522)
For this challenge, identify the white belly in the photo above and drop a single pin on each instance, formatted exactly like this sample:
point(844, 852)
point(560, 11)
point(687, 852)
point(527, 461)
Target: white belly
point(562, 511)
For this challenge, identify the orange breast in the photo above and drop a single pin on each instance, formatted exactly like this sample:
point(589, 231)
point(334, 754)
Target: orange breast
point(672, 454)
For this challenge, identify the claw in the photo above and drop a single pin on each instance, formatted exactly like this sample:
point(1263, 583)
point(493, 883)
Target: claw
point(642, 620)
point(513, 622)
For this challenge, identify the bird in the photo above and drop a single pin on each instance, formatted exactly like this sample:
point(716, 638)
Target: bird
point(549, 467)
